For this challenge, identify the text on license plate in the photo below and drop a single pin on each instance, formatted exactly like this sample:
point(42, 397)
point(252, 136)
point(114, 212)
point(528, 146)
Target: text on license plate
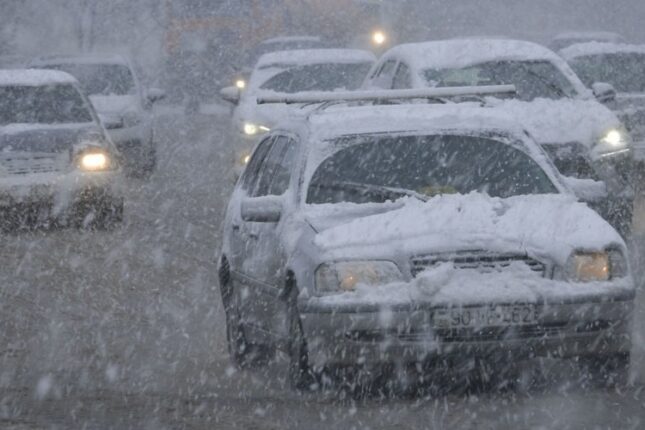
point(485, 316)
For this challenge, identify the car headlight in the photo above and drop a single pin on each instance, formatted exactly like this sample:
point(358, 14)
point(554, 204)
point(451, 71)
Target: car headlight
point(596, 266)
point(251, 129)
point(345, 276)
point(614, 140)
point(240, 84)
point(94, 160)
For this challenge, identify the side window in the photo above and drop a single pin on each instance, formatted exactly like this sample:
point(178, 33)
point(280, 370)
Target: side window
point(251, 173)
point(275, 173)
point(402, 79)
point(383, 76)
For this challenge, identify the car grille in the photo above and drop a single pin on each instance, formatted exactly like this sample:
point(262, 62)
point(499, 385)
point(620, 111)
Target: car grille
point(477, 260)
point(27, 162)
point(501, 333)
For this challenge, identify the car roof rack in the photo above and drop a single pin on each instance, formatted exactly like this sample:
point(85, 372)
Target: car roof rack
point(384, 95)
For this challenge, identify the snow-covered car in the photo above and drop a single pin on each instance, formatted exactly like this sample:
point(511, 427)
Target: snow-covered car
point(124, 107)
point(56, 162)
point(274, 44)
point(411, 233)
point(623, 67)
point(584, 138)
point(564, 40)
point(289, 72)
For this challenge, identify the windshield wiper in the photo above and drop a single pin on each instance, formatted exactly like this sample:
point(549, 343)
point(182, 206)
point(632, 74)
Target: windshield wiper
point(385, 191)
point(559, 91)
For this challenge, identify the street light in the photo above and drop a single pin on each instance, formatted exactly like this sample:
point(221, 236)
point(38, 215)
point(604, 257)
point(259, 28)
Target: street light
point(379, 37)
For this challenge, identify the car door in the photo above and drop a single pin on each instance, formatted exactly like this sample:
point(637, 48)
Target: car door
point(269, 256)
point(242, 243)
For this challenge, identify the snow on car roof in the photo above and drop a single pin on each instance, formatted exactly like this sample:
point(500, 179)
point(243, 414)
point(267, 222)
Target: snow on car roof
point(31, 77)
point(599, 48)
point(298, 57)
point(339, 121)
point(283, 39)
point(598, 35)
point(457, 53)
point(80, 59)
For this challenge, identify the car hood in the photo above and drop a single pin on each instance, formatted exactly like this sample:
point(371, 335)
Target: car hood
point(114, 105)
point(541, 226)
point(267, 115)
point(562, 121)
point(47, 138)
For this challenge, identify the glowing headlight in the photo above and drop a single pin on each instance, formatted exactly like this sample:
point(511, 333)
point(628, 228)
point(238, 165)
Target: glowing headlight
point(613, 141)
point(345, 276)
point(587, 267)
point(251, 129)
point(379, 38)
point(245, 158)
point(94, 161)
point(240, 84)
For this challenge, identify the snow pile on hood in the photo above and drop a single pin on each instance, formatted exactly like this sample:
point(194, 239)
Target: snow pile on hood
point(547, 226)
point(114, 104)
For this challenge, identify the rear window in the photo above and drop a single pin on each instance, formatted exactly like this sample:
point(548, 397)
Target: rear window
point(101, 79)
point(319, 77)
point(50, 104)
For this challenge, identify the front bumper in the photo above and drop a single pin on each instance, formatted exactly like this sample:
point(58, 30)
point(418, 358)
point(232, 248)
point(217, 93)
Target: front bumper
point(31, 198)
point(594, 325)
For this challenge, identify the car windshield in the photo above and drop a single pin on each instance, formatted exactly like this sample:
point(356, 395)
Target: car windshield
point(379, 169)
point(625, 71)
point(51, 104)
point(532, 79)
point(101, 79)
point(318, 77)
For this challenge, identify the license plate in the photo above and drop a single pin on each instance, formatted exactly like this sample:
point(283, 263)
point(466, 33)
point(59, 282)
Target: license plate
point(485, 316)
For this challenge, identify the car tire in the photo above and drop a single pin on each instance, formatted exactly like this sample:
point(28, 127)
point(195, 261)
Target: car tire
point(607, 370)
point(300, 376)
point(243, 354)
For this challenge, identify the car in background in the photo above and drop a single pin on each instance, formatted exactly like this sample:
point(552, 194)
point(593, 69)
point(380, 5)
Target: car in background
point(564, 40)
point(623, 67)
point(288, 72)
point(14, 61)
point(275, 44)
point(413, 235)
point(584, 138)
point(57, 165)
point(124, 107)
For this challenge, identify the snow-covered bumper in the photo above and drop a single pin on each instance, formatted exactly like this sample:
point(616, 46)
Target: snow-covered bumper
point(59, 196)
point(595, 322)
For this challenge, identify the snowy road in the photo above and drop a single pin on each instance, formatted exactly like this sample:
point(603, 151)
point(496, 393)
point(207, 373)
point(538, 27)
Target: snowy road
point(124, 329)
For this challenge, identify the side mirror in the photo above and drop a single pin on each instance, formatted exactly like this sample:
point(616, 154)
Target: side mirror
point(262, 209)
point(587, 190)
point(230, 94)
point(155, 94)
point(604, 92)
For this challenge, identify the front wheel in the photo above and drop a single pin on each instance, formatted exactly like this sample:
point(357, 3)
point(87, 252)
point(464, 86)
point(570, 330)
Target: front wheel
point(300, 375)
point(243, 353)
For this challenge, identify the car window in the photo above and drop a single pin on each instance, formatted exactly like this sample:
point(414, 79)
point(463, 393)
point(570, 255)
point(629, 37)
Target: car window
point(378, 169)
point(625, 71)
point(48, 104)
point(275, 172)
point(251, 173)
point(383, 76)
point(402, 79)
point(532, 79)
